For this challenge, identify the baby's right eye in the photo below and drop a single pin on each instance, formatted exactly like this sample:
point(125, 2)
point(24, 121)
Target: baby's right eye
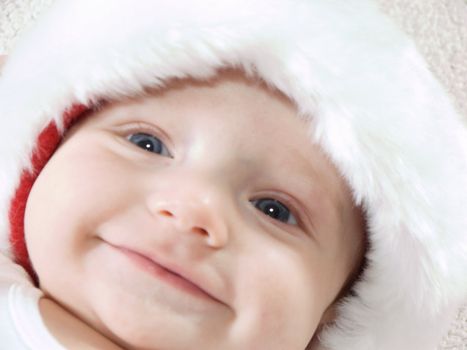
point(149, 143)
point(275, 209)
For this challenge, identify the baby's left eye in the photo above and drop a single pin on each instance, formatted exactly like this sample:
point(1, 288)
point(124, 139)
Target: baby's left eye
point(149, 143)
point(275, 209)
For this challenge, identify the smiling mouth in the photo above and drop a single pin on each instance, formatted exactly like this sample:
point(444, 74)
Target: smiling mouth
point(164, 274)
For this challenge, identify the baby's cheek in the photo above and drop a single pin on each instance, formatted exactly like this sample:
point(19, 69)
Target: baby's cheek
point(96, 183)
point(278, 302)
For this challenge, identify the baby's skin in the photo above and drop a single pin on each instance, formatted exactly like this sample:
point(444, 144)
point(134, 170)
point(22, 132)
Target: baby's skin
point(196, 217)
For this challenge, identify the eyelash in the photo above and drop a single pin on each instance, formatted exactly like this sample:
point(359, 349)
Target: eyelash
point(290, 218)
point(143, 129)
point(144, 132)
point(139, 138)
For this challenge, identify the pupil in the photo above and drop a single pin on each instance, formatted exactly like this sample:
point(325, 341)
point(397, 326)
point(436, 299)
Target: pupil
point(148, 146)
point(272, 210)
point(147, 142)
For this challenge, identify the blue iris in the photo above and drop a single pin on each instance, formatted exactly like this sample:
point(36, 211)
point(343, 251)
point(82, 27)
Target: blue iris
point(274, 209)
point(147, 142)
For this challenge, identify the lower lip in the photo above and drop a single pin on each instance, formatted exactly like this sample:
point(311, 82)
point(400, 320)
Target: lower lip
point(163, 274)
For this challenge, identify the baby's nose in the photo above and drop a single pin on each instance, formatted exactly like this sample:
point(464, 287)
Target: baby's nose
point(193, 214)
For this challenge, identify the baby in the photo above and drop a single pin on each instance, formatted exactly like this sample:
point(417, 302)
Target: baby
point(190, 176)
point(180, 217)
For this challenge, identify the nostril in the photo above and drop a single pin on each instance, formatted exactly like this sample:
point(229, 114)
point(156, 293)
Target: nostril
point(181, 222)
point(200, 230)
point(165, 213)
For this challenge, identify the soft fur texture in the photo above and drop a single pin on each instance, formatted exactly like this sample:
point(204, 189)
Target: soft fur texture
point(376, 110)
point(439, 29)
point(15, 16)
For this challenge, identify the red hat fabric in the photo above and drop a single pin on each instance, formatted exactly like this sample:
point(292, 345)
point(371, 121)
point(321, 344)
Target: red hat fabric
point(47, 143)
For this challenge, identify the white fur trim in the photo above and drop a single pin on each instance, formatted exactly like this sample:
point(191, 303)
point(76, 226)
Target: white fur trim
point(377, 111)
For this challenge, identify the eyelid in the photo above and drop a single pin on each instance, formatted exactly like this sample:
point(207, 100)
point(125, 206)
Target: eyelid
point(147, 128)
point(304, 221)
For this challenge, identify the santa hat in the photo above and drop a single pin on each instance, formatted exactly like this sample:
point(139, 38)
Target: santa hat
point(376, 109)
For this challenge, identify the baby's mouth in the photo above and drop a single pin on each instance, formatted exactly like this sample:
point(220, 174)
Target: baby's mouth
point(165, 274)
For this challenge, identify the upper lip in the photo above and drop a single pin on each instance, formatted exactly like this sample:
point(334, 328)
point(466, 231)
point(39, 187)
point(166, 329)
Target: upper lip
point(192, 276)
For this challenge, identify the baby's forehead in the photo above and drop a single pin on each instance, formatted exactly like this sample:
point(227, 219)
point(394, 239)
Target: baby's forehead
point(227, 80)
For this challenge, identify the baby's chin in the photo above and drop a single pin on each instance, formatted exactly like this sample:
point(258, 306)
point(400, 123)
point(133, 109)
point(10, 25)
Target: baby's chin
point(155, 326)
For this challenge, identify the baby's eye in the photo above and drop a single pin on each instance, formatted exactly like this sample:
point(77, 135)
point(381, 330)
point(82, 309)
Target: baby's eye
point(149, 143)
point(275, 209)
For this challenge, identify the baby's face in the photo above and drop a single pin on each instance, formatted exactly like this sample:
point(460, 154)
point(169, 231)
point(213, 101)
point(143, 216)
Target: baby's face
point(197, 218)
